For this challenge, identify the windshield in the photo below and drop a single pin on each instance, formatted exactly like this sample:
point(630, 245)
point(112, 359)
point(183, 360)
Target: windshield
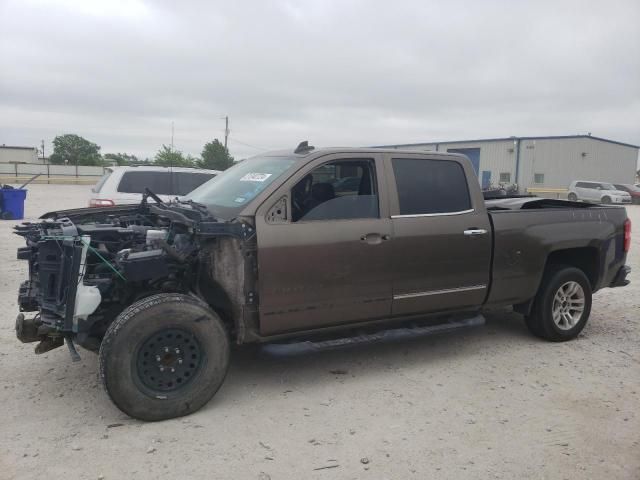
point(229, 192)
point(608, 186)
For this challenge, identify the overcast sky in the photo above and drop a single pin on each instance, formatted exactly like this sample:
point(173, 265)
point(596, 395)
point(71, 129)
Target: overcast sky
point(118, 72)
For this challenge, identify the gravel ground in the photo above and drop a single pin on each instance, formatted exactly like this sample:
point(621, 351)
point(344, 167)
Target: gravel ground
point(492, 402)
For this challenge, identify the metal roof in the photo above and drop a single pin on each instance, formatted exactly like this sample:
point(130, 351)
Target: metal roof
point(558, 137)
point(17, 148)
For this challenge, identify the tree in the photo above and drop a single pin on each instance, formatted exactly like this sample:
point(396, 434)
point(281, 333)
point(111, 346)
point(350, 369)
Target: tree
point(215, 156)
point(121, 158)
point(167, 157)
point(74, 150)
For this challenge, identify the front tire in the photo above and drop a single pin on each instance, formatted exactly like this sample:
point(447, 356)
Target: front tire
point(562, 306)
point(165, 356)
point(606, 200)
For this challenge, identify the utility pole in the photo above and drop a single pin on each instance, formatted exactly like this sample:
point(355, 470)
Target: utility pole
point(226, 130)
point(43, 151)
point(172, 136)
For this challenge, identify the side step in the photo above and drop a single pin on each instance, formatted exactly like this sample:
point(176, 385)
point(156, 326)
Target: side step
point(390, 335)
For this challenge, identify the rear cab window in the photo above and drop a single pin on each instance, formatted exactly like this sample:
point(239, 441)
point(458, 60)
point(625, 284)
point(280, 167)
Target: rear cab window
point(430, 187)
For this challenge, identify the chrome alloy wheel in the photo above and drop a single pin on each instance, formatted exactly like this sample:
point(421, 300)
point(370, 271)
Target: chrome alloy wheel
point(568, 305)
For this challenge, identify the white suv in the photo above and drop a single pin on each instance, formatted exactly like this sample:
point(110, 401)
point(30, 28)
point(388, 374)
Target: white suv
point(599, 192)
point(122, 185)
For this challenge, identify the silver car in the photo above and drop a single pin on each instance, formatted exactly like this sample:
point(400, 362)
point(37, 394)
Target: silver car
point(597, 192)
point(124, 185)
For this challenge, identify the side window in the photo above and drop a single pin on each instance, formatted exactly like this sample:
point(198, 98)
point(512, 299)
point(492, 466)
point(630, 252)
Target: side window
point(581, 185)
point(343, 189)
point(430, 186)
point(136, 182)
point(186, 182)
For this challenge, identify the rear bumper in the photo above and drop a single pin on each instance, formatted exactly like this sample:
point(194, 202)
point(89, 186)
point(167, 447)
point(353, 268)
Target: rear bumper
point(620, 280)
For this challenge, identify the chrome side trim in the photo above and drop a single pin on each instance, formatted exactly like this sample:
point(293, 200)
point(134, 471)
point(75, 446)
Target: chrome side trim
point(446, 214)
point(402, 296)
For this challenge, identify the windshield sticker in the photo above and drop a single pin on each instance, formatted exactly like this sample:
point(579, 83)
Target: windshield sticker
point(255, 177)
point(239, 200)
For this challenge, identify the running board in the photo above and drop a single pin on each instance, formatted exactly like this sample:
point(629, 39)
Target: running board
point(383, 336)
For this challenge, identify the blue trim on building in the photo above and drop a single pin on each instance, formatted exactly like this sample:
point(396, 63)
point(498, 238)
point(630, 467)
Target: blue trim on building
point(559, 137)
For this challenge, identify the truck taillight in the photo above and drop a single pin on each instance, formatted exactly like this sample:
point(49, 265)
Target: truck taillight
point(627, 235)
point(101, 202)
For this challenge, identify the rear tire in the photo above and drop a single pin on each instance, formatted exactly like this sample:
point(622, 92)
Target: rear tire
point(165, 356)
point(572, 197)
point(562, 306)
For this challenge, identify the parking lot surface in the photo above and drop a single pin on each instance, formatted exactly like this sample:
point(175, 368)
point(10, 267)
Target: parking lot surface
point(492, 402)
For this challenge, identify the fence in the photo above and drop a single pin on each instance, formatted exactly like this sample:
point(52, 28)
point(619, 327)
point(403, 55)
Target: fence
point(21, 172)
point(548, 192)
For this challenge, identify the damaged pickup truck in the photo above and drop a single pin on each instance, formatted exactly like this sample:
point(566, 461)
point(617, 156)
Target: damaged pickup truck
point(318, 245)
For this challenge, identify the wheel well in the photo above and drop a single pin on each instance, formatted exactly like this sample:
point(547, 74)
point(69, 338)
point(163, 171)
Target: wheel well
point(219, 301)
point(584, 258)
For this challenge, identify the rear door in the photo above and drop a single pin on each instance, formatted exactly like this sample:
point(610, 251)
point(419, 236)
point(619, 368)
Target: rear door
point(581, 191)
point(592, 191)
point(442, 235)
point(324, 246)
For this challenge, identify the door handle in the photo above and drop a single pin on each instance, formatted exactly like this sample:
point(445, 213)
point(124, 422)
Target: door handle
point(374, 238)
point(472, 232)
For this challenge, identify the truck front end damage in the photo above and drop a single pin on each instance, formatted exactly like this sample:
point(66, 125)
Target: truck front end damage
point(86, 266)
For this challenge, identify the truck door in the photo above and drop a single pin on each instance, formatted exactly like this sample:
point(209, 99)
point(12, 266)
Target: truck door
point(442, 235)
point(324, 249)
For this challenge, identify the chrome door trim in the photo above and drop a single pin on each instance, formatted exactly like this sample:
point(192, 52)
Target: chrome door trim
point(445, 214)
point(403, 296)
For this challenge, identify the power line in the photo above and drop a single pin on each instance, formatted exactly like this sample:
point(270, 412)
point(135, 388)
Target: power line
point(248, 144)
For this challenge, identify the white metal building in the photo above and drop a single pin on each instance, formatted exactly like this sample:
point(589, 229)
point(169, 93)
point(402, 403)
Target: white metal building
point(18, 154)
point(543, 162)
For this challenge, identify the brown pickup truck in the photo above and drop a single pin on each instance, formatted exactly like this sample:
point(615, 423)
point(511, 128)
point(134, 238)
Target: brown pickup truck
point(324, 245)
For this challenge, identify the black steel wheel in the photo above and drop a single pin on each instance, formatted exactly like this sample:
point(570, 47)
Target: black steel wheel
point(164, 356)
point(168, 360)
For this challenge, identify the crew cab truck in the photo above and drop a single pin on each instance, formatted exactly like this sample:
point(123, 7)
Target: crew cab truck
point(311, 243)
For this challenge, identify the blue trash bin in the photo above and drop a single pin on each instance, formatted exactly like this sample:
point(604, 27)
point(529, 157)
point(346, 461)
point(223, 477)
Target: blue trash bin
point(12, 204)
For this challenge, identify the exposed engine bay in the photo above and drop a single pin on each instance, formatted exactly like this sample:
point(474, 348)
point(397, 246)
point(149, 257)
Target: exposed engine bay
point(87, 265)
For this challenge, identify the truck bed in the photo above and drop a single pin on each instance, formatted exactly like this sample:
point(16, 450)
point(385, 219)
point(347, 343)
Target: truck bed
point(529, 231)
